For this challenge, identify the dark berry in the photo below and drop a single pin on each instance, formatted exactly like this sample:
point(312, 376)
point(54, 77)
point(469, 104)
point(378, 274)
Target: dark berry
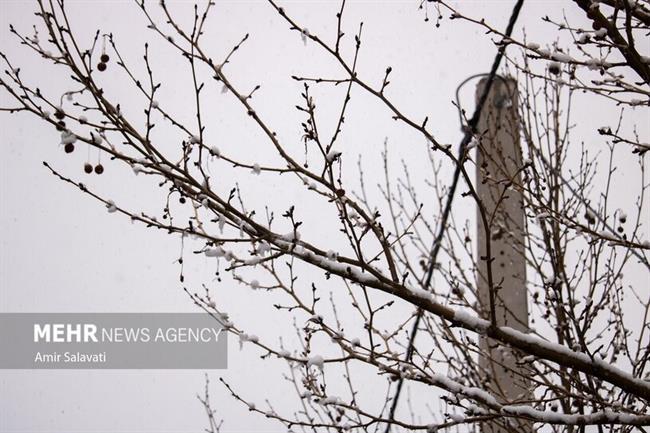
point(101, 66)
point(104, 58)
point(181, 200)
point(60, 125)
point(99, 169)
point(59, 114)
point(69, 148)
point(88, 168)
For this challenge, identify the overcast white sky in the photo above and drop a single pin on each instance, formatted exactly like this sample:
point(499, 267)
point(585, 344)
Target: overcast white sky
point(60, 251)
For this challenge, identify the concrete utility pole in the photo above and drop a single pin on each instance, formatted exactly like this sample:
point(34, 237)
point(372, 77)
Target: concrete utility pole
point(498, 161)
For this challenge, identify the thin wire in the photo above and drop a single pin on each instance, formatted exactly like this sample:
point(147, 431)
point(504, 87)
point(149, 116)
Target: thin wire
point(467, 80)
point(435, 249)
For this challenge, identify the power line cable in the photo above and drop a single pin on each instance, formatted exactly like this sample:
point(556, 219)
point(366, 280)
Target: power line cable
point(435, 249)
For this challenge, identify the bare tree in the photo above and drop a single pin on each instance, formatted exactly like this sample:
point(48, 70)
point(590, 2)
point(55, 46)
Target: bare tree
point(581, 362)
